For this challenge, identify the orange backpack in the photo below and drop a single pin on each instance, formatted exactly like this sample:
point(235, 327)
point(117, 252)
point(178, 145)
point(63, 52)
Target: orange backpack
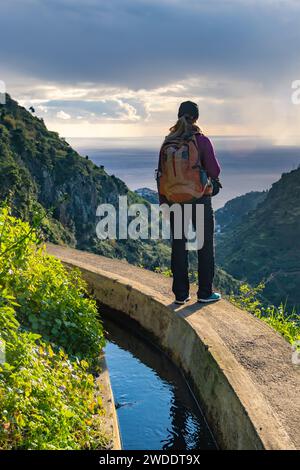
point(181, 177)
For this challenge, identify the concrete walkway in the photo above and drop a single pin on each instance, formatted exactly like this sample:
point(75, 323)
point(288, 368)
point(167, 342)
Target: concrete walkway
point(249, 363)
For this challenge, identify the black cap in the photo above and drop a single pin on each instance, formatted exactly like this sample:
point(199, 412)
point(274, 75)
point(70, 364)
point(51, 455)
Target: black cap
point(190, 108)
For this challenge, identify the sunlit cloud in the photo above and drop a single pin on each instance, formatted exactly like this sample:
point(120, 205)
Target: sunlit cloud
point(227, 107)
point(63, 115)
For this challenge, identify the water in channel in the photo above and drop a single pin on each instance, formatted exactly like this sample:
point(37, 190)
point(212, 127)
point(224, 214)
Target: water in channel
point(155, 407)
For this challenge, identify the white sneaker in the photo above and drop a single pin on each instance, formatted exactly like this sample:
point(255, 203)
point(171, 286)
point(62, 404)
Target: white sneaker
point(182, 302)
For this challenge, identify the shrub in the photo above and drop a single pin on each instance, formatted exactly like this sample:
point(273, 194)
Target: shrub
point(51, 301)
point(288, 325)
point(9, 121)
point(48, 399)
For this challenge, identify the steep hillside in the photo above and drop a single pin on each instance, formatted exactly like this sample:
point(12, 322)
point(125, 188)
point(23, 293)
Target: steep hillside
point(39, 171)
point(266, 243)
point(236, 209)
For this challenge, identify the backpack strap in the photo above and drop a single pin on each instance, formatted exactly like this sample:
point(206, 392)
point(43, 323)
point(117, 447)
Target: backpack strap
point(159, 165)
point(200, 162)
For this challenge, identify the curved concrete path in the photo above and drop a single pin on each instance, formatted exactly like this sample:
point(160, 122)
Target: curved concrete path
point(239, 368)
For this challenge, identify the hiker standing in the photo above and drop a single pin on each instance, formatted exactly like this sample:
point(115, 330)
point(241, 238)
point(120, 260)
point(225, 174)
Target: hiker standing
point(188, 174)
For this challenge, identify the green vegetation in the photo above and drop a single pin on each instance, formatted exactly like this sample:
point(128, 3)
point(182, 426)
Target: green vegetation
point(265, 244)
point(288, 325)
point(52, 338)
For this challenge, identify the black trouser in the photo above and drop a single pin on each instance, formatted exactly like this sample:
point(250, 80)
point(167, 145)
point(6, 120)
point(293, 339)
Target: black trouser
point(206, 262)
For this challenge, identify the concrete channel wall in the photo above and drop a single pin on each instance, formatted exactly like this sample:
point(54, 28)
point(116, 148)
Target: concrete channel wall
point(110, 419)
point(238, 367)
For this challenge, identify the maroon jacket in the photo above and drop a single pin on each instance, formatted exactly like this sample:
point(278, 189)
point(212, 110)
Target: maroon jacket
point(209, 160)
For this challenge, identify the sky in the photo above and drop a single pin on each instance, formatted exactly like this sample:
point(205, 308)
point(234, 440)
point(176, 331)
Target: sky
point(120, 68)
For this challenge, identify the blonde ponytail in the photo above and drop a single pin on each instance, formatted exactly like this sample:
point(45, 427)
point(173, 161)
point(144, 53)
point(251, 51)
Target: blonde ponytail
point(184, 128)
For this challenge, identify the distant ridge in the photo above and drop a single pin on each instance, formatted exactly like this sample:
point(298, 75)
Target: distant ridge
point(149, 194)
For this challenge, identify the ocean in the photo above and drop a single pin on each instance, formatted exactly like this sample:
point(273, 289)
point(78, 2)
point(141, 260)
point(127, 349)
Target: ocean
point(248, 164)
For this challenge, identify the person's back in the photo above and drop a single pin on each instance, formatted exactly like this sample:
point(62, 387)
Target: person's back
point(177, 163)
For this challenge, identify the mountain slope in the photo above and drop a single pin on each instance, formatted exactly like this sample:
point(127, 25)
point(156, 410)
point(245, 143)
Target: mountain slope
point(39, 171)
point(266, 243)
point(236, 209)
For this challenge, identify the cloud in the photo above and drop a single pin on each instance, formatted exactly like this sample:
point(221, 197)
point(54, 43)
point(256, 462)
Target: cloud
point(148, 43)
point(63, 115)
point(128, 64)
point(120, 107)
point(226, 107)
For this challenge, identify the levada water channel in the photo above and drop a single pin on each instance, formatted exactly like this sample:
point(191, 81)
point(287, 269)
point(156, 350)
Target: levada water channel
point(155, 406)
